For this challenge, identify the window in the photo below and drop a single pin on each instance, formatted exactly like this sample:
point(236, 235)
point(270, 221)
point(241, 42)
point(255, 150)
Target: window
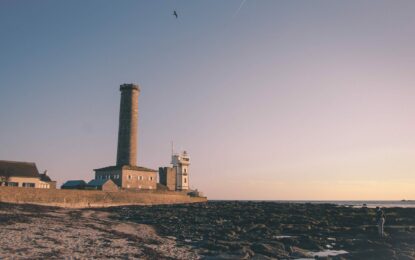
point(12, 184)
point(150, 178)
point(129, 177)
point(185, 180)
point(184, 170)
point(140, 178)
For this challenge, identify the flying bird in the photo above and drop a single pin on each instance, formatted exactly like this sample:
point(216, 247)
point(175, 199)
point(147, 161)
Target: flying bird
point(175, 14)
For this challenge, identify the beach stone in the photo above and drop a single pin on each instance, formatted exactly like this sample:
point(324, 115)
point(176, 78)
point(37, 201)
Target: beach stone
point(230, 227)
point(226, 256)
point(262, 257)
point(259, 229)
point(375, 254)
point(289, 241)
point(232, 245)
point(405, 257)
point(275, 250)
point(309, 243)
point(297, 252)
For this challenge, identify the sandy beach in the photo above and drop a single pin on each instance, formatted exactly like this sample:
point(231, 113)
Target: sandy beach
point(213, 230)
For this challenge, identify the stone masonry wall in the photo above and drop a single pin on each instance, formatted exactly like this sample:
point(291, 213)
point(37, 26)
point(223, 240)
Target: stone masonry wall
point(128, 125)
point(132, 179)
point(92, 198)
point(168, 177)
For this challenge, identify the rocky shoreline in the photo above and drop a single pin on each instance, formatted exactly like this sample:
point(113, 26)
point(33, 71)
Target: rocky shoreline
point(265, 230)
point(212, 230)
point(40, 232)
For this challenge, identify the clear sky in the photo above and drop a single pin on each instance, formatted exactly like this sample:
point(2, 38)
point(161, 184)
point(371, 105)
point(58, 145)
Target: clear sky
point(272, 99)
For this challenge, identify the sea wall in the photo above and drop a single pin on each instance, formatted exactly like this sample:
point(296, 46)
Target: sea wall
point(92, 198)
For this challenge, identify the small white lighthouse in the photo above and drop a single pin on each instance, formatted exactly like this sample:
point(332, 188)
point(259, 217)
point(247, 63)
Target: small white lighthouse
point(181, 164)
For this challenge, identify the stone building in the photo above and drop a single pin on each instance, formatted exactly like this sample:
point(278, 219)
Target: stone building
point(23, 174)
point(129, 176)
point(105, 185)
point(45, 178)
point(126, 173)
point(176, 177)
point(167, 177)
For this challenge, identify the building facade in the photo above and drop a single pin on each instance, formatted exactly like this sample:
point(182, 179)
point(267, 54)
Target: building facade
point(181, 164)
point(129, 177)
point(176, 177)
point(23, 174)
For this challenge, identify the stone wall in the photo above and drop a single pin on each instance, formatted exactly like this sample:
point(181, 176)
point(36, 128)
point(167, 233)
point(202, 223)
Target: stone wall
point(133, 179)
point(168, 177)
point(92, 198)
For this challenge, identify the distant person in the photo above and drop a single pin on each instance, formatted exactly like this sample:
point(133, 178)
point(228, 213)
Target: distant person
point(380, 220)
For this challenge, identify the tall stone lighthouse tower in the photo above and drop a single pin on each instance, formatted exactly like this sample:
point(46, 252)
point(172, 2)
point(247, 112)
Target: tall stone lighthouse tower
point(126, 173)
point(128, 126)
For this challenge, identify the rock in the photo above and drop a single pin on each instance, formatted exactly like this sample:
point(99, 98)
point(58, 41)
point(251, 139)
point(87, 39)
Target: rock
point(374, 254)
point(405, 257)
point(309, 243)
point(226, 256)
point(232, 245)
point(297, 252)
point(276, 250)
point(234, 228)
point(262, 257)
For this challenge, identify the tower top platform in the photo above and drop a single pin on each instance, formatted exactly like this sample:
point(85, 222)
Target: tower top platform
point(128, 86)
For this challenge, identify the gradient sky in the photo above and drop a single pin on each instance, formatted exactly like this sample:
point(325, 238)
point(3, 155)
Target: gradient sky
point(279, 100)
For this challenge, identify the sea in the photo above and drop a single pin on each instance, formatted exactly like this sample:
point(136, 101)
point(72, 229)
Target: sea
point(378, 203)
point(362, 203)
point(350, 203)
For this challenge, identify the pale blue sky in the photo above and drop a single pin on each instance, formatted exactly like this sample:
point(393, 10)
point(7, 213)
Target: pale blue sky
point(284, 100)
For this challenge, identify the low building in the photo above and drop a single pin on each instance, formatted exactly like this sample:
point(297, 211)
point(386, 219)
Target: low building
point(129, 176)
point(45, 178)
point(176, 177)
point(167, 177)
point(104, 185)
point(74, 185)
point(23, 174)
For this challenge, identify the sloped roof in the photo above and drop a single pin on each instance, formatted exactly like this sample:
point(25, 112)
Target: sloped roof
point(98, 183)
point(45, 177)
point(18, 169)
point(126, 167)
point(74, 183)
